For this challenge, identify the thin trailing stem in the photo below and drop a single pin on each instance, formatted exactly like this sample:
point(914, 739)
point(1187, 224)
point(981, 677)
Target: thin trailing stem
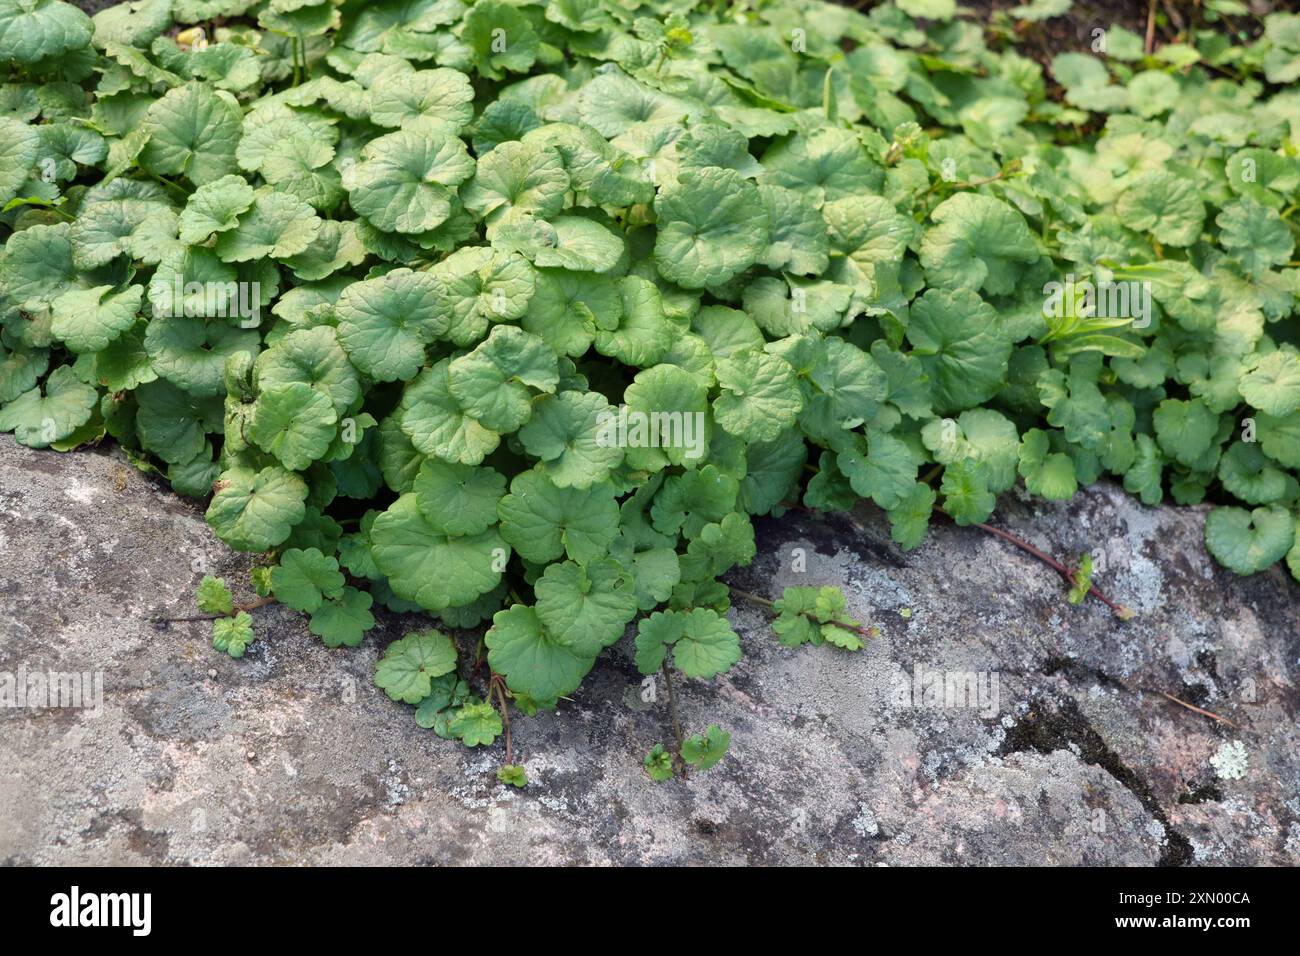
point(48, 207)
point(748, 596)
point(1192, 707)
point(238, 608)
point(499, 686)
point(1122, 612)
point(672, 708)
point(164, 181)
point(1010, 169)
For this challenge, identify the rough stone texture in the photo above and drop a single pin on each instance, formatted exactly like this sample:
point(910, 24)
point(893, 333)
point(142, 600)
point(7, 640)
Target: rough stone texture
point(291, 755)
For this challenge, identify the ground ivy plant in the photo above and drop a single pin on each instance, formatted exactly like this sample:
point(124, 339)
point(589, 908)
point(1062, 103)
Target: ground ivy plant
point(516, 313)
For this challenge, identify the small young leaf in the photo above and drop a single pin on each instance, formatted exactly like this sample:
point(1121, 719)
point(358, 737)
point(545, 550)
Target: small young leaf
point(703, 751)
point(214, 597)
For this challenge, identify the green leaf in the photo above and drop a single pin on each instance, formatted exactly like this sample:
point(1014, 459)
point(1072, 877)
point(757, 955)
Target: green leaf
point(436, 424)
point(458, 499)
point(689, 501)
point(87, 320)
point(38, 265)
point(1256, 235)
point(543, 521)
point(500, 37)
point(493, 382)
point(816, 615)
point(314, 358)
point(295, 423)
point(533, 662)
point(637, 333)
point(719, 547)
point(978, 242)
point(966, 497)
point(703, 751)
point(1046, 473)
point(1185, 430)
point(140, 229)
point(910, 518)
point(1143, 476)
point(343, 620)
point(39, 420)
point(447, 694)
point(192, 352)
point(445, 96)
point(712, 225)
point(665, 390)
point(214, 597)
point(35, 30)
point(192, 131)
point(937, 10)
point(564, 307)
point(566, 242)
point(19, 143)
point(585, 608)
point(215, 207)
point(20, 371)
point(759, 395)
point(303, 580)
point(519, 179)
point(569, 432)
point(1165, 205)
point(277, 225)
point(702, 642)
point(513, 775)
point(232, 635)
point(255, 511)
point(1246, 472)
point(385, 323)
point(476, 724)
point(851, 387)
point(409, 665)
point(955, 335)
point(484, 286)
point(885, 472)
point(825, 165)
point(869, 231)
point(659, 764)
point(1280, 438)
point(1249, 541)
point(772, 471)
point(1082, 580)
point(1273, 385)
point(797, 239)
point(426, 565)
point(406, 181)
point(173, 424)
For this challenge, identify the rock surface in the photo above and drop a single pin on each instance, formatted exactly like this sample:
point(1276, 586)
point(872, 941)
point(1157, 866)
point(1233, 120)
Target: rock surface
point(291, 755)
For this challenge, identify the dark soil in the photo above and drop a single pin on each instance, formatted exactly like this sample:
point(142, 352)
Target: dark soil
point(93, 6)
point(1168, 21)
point(1074, 30)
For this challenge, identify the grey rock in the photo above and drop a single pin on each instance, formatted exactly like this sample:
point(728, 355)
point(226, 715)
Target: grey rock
point(292, 755)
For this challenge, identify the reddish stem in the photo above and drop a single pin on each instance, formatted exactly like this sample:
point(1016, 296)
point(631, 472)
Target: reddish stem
point(1122, 612)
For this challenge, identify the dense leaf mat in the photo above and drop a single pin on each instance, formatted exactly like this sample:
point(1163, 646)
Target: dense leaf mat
point(516, 312)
